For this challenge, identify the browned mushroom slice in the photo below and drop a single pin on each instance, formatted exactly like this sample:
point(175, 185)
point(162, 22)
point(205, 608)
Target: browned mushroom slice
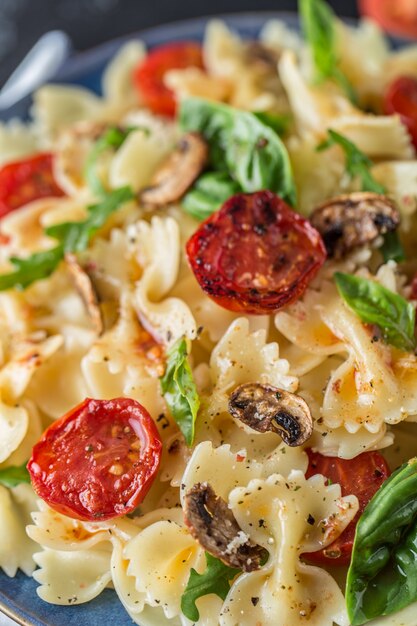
point(213, 525)
point(349, 221)
point(267, 408)
point(85, 288)
point(178, 173)
point(262, 56)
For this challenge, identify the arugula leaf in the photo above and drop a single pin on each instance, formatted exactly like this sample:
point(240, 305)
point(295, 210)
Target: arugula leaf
point(215, 579)
point(14, 475)
point(179, 390)
point(382, 574)
point(73, 237)
point(241, 145)
point(358, 164)
point(208, 194)
point(318, 24)
point(37, 266)
point(111, 139)
point(375, 304)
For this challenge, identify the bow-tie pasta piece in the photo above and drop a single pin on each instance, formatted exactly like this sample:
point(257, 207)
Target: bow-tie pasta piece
point(158, 251)
point(149, 145)
point(118, 88)
point(318, 175)
point(125, 585)
point(112, 369)
point(373, 384)
point(289, 517)
point(363, 52)
point(72, 577)
point(161, 557)
point(58, 532)
point(224, 470)
point(57, 106)
point(315, 110)
point(240, 357)
point(16, 548)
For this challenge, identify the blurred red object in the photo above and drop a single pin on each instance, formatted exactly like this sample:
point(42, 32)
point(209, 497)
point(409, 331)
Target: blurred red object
point(398, 17)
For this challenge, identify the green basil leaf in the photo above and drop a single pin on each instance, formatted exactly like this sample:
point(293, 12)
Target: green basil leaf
point(375, 304)
point(111, 139)
point(357, 163)
point(215, 579)
point(208, 194)
point(14, 475)
point(318, 25)
point(278, 123)
point(392, 249)
point(72, 237)
point(240, 144)
point(179, 390)
point(382, 574)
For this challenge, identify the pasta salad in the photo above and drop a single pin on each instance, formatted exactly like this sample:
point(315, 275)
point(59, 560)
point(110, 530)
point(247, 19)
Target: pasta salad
point(208, 370)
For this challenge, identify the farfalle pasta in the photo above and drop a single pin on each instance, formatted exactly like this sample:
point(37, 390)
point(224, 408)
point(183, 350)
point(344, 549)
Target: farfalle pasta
point(207, 330)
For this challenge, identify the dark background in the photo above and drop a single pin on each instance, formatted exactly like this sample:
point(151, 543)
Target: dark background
point(90, 22)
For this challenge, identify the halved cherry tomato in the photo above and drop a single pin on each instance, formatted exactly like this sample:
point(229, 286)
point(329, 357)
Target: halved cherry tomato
point(149, 74)
point(98, 461)
point(395, 16)
point(401, 98)
point(362, 477)
point(255, 254)
point(27, 180)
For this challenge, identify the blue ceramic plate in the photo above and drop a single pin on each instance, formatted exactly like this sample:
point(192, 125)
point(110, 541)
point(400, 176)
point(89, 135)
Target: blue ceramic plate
point(18, 597)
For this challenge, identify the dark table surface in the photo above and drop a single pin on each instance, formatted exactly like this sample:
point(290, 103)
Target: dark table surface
point(90, 22)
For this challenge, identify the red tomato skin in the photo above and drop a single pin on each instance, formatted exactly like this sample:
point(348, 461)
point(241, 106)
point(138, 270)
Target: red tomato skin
point(398, 17)
point(98, 461)
point(149, 75)
point(362, 477)
point(27, 180)
point(257, 236)
point(401, 99)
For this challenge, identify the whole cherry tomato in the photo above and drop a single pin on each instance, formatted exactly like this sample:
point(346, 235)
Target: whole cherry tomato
point(362, 477)
point(149, 74)
point(98, 461)
point(395, 16)
point(26, 180)
point(401, 98)
point(255, 254)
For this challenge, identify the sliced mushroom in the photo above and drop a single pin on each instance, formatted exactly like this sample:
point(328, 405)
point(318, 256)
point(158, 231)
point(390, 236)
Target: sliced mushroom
point(85, 288)
point(262, 56)
point(214, 526)
point(267, 408)
point(349, 221)
point(178, 173)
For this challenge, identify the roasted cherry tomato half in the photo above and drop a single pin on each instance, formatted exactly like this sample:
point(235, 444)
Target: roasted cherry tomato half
point(395, 16)
point(27, 180)
point(98, 461)
point(362, 477)
point(401, 98)
point(149, 74)
point(255, 254)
